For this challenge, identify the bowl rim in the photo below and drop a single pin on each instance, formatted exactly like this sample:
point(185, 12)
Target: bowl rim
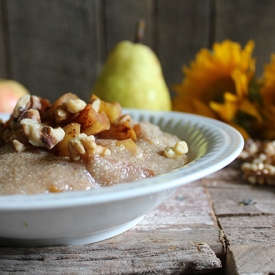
point(228, 144)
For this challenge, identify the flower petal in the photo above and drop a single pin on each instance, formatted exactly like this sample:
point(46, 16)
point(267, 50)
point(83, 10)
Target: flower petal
point(250, 109)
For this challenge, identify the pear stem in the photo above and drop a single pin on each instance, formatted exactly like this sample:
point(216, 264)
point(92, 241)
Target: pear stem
point(140, 31)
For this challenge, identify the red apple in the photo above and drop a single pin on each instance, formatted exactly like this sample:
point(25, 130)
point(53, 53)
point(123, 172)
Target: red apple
point(10, 92)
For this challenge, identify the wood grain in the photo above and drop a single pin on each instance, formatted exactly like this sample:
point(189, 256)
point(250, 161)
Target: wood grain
point(251, 259)
point(179, 237)
point(182, 29)
point(3, 72)
point(246, 217)
point(121, 258)
point(218, 223)
point(242, 20)
point(121, 21)
point(53, 45)
point(58, 46)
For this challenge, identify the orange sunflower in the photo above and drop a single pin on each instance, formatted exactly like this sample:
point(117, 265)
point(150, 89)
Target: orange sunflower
point(268, 89)
point(216, 84)
point(266, 129)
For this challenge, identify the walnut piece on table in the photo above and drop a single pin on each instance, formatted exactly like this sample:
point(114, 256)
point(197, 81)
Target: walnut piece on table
point(259, 162)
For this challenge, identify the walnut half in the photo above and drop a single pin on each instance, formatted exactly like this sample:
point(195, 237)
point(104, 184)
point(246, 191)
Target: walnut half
point(178, 150)
point(259, 162)
point(84, 145)
point(39, 135)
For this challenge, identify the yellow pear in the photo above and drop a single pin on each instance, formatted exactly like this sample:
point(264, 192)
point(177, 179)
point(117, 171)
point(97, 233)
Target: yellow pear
point(132, 75)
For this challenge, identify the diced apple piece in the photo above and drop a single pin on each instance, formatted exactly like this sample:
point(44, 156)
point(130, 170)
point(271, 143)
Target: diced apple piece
point(57, 112)
point(119, 132)
point(112, 110)
point(93, 97)
point(128, 144)
point(92, 122)
point(64, 99)
point(72, 130)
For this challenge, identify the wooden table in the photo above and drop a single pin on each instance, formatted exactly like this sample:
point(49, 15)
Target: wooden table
point(218, 225)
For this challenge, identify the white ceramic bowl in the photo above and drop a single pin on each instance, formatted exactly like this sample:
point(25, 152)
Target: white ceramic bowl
point(90, 216)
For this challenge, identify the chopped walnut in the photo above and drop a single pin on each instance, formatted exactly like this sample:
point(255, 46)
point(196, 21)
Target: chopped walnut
point(72, 124)
point(75, 105)
point(22, 104)
point(123, 119)
point(19, 146)
point(179, 149)
point(27, 102)
point(58, 111)
point(39, 135)
point(84, 145)
point(31, 114)
point(259, 162)
point(61, 114)
point(17, 137)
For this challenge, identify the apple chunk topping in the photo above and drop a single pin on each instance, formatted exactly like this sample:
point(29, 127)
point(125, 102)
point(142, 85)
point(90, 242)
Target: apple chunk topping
point(120, 129)
point(92, 122)
point(59, 111)
point(128, 144)
point(69, 127)
point(112, 110)
point(73, 128)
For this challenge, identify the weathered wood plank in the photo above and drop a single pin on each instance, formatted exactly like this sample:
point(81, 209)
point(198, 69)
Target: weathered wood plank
point(263, 235)
point(246, 216)
point(175, 32)
point(60, 46)
point(242, 20)
point(53, 45)
point(249, 200)
point(189, 209)
point(183, 28)
point(3, 73)
point(248, 222)
point(121, 21)
point(121, 258)
point(180, 236)
point(250, 259)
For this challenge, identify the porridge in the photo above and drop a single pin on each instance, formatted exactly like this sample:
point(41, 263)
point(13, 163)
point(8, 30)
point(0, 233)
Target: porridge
point(72, 145)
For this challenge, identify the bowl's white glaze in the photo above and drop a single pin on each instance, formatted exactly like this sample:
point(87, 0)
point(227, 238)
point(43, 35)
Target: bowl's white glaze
point(91, 216)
